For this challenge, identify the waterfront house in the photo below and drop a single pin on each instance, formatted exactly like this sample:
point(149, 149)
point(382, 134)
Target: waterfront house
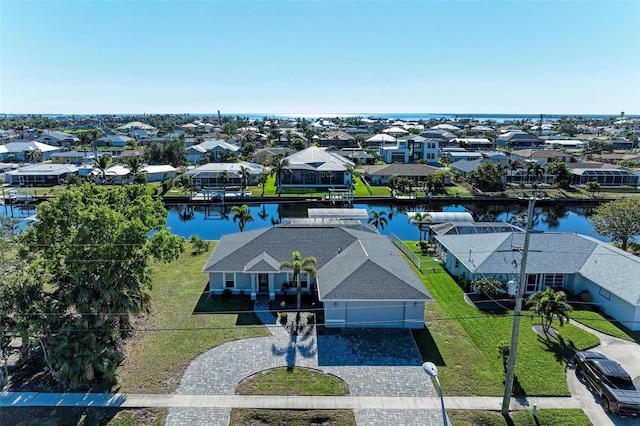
point(208, 175)
point(316, 167)
point(362, 279)
point(607, 273)
point(541, 156)
point(40, 174)
point(337, 138)
point(607, 175)
point(382, 174)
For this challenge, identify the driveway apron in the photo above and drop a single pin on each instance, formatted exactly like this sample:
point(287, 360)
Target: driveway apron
point(371, 362)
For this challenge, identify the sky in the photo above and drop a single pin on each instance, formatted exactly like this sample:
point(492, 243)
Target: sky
point(516, 57)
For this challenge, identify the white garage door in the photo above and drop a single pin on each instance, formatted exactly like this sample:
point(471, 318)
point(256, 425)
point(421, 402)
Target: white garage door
point(375, 314)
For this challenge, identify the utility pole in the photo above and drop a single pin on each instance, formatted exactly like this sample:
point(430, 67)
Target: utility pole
point(513, 348)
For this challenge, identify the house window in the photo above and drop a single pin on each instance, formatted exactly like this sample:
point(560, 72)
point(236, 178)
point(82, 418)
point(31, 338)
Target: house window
point(229, 279)
point(304, 280)
point(457, 265)
point(553, 280)
point(604, 293)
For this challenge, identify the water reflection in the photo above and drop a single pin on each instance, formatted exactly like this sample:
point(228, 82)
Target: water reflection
point(213, 221)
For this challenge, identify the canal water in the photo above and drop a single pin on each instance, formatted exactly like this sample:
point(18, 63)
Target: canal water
point(213, 221)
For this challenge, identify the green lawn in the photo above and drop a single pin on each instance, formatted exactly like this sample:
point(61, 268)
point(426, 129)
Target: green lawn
point(605, 325)
point(297, 381)
point(462, 341)
point(573, 417)
point(156, 359)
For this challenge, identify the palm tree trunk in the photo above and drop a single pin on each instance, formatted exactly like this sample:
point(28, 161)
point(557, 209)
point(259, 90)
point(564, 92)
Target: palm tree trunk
point(299, 296)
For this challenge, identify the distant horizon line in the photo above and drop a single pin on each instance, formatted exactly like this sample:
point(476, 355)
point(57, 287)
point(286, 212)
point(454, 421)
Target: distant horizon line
point(332, 114)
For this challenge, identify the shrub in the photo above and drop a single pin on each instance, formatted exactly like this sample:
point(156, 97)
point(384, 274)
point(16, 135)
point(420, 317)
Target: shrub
point(585, 296)
point(226, 293)
point(503, 352)
point(282, 317)
point(311, 318)
point(283, 304)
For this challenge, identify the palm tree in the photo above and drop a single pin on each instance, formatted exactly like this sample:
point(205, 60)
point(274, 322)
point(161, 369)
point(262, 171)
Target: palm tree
point(422, 219)
point(378, 219)
point(244, 176)
point(297, 266)
point(34, 156)
point(262, 181)
point(550, 304)
point(279, 164)
point(102, 164)
point(135, 165)
point(513, 166)
point(242, 215)
point(224, 177)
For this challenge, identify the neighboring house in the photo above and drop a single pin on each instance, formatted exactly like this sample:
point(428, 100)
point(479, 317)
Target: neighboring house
point(379, 140)
point(119, 174)
point(473, 144)
point(443, 135)
point(381, 174)
point(56, 138)
point(411, 149)
point(362, 279)
point(207, 175)
point(137, 125)
point(316, 167)
point(569, 144)
point(19, 150)
point(541, 156)
point(357, 155)
point(457, 227)
point(264, 156)
point(464, 167)
point(614, 157)
point(218, 148)
point(114, 140)
point(519, 140)
point(40, 174)
point(608, 175)
point(455, 156)
point(73, 157)
point(610, 275)
point(337, 138)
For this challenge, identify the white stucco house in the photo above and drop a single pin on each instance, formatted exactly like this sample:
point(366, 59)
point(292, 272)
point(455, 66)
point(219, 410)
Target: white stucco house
point(411, 149)
point(569, 261)
point(362, 279)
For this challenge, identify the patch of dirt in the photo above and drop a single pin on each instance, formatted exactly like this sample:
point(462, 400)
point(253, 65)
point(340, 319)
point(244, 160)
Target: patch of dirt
point(539, 329)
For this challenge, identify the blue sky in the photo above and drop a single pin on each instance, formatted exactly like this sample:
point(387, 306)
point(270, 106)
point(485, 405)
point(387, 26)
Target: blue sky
point(552, 57)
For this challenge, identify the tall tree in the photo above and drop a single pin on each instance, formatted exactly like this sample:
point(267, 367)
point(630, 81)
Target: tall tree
point(619, 219)
point(297, 265)
point(278, 165)
point(94, 246)
point(242, 215)
point(378, 218)
point(487, 177)
point(560, 172)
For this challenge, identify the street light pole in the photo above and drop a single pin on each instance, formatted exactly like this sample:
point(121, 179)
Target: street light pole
point(432, 371)
point(513, 348)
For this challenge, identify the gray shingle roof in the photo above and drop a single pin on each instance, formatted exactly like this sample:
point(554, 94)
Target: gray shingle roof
point(560, 253)
point(351, 264)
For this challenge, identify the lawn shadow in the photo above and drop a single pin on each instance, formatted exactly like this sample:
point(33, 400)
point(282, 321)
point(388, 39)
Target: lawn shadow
point(562, 349)
point(427, 346)
point(241, 305)
point(58, 415)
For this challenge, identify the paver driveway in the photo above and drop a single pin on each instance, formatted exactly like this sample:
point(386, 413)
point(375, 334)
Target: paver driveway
point(371, 362)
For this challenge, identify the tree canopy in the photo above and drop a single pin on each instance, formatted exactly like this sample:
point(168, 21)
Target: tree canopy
point(487, 177)
point(93, 248)
point(619, 219)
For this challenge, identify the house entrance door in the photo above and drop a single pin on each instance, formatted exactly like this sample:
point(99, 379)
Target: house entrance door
point(263, 283)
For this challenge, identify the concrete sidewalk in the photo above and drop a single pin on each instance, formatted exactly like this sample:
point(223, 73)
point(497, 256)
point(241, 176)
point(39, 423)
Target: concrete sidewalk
point(32, 399)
